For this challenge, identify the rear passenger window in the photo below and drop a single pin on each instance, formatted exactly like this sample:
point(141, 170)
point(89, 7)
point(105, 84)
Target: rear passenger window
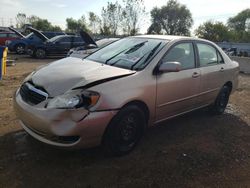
point(3, 35)
point(65, 39)
point(12, 35)
point(182, 53)
point(207, 55)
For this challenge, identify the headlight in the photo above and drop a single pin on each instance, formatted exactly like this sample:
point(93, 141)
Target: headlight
point(75, 99)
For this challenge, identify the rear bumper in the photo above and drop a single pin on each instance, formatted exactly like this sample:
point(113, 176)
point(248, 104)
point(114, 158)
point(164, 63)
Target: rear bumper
point(76, 128)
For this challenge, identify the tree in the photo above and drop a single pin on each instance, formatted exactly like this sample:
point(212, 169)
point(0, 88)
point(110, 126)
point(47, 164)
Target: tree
point(240, 22)
point(214, 31)
point(172, 19)
point(133, 13)
point(21, 20)
point(42, 24)
point(75, 25)
point(94, 22)
point(111, 18)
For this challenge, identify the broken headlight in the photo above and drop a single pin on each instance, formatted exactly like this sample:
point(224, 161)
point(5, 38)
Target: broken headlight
point(71, 100)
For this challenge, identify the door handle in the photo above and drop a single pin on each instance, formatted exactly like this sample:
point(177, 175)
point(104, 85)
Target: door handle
point(221, 69)
point(195, 75)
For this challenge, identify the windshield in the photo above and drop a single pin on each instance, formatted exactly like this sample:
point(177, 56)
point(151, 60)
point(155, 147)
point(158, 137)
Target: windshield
point(129, 53)
point(104, 42)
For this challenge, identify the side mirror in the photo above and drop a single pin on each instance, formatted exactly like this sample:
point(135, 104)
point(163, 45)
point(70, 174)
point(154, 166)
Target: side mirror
point(170, 67)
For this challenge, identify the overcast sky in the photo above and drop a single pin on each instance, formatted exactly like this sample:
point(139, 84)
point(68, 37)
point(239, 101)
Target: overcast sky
point(56, 11)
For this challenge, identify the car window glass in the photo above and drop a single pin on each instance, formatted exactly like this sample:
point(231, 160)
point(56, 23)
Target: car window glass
point(220, 59)
point(77, 39)
point(65, 39)
point(129, 53)
point(12, 35)
point(207, 55)
point(182, 53)
point(3, 35)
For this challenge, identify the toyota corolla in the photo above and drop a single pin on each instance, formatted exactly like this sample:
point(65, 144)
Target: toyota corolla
point(115, 93)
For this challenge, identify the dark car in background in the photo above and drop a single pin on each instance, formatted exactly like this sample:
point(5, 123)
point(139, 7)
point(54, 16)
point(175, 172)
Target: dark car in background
point(57, 46)
point(83, 51)
point(19, 45)
point(7, 36)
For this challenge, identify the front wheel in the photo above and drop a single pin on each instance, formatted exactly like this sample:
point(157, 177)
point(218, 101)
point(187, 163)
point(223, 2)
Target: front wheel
point(221, 101)
point(124, 131)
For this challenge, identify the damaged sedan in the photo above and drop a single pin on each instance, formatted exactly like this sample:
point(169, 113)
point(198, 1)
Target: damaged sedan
point(114, 94)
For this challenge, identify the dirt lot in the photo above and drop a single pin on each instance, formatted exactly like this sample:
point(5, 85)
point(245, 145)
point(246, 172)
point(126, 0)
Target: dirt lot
point(195, 150)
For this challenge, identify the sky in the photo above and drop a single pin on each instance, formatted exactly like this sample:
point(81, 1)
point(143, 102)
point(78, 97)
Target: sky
point(56, 11)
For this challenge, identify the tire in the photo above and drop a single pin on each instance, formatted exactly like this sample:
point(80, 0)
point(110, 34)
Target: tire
point(221, 101)
point(20, 49)
point(40, 53)
point(124, 131)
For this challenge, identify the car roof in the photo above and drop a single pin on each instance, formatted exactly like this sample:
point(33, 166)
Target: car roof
point(9, 32)
point(169, 37)
point(172, 38)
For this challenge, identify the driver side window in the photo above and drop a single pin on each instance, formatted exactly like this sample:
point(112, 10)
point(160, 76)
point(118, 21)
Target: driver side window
point(182, 53)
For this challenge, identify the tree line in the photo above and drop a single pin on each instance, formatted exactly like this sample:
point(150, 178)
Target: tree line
point(127, 17)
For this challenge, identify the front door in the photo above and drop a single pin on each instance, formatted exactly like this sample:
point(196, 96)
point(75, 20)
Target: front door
point(177, 91)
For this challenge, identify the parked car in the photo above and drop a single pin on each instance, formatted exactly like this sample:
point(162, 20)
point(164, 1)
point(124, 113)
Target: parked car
point(19, 45)
point(111, 96)
point(59, 45)
point(7, 36)
point(83, 51)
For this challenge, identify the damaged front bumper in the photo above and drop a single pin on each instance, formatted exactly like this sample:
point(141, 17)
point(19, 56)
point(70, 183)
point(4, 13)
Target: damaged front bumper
point(68, 128)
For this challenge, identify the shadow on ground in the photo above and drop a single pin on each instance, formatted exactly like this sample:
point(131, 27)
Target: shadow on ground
point(195, 150)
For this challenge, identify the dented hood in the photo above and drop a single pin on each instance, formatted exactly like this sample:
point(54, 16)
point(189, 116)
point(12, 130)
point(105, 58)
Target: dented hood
point(72, 73)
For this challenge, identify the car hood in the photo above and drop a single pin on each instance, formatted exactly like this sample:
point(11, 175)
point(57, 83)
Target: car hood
point(39, 34)
point(72, 73)
point(87, 38)
point(17, 32)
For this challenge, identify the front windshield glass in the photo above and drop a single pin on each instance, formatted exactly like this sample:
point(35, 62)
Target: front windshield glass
point(129, 53)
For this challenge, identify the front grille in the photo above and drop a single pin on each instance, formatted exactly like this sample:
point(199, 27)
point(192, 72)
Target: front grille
point(31, 94)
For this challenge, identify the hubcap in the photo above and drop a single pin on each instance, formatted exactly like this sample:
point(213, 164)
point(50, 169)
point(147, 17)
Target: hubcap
point(20, 49)
point(128, 130)
point(40, 53)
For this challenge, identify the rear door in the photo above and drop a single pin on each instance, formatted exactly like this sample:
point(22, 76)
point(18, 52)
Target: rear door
point(212, 68)
point(177, 91)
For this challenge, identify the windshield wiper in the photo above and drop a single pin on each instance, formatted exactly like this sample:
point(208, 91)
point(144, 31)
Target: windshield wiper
point(137, 46)
point(150, 54)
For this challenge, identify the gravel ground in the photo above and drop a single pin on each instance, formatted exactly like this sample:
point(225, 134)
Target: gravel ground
point(194, 150)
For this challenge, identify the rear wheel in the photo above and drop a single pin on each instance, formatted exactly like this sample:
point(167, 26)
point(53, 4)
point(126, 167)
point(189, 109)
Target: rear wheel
point(40, 53)
point(124, 131)
point(20, 48)
point(221, 101)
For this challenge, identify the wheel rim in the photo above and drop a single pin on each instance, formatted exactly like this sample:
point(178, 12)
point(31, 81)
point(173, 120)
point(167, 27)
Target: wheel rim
point(40, 53)
point(20, 49)
point(128, 132)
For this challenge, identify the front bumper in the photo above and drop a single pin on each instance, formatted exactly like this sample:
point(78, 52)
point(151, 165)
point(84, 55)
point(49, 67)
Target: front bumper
point(74, 128)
